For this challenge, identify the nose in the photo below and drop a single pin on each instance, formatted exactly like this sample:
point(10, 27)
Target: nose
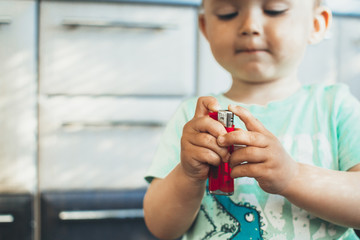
point(250, 24)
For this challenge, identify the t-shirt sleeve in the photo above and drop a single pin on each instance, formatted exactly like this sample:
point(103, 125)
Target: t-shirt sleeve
point(167, 155)
point(348, 129)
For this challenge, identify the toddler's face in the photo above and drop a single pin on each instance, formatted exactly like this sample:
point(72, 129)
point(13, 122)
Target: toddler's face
point(258, 40)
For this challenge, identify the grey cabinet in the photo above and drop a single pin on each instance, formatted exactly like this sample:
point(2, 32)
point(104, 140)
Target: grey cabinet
point(93, 215)
point(99, 142)
point(111, 76)
point(18, 96)
point(18, 122)
point(117, 48)
point(16, 216)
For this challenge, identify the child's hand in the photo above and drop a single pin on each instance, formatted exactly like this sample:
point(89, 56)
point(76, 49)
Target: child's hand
point(266, 159)
point(199, 146)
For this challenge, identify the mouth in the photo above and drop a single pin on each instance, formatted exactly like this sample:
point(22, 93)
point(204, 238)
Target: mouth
point(251, 50)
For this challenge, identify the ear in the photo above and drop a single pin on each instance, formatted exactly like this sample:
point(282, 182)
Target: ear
point(202, 24)
point(321, 23)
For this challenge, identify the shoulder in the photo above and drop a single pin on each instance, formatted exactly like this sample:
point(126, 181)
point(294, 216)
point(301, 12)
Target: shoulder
point(333, 95)
point(327, 90)
point(337, 91)
point(338, 101)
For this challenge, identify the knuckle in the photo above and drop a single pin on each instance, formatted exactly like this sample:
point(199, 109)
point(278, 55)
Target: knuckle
point(243, 136)
point(224, 152)
point(204, 139)
point(187, 126)
point(254, 138)
point(268, 172)
point(202, 98)
point(249, 151)
point(272, 156)
point(208, 139)
point(211, 158)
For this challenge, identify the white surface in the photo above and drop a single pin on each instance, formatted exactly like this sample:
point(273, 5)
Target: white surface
point(116, 60)
point(90, 143)
point(349, 54)
point(17, 96)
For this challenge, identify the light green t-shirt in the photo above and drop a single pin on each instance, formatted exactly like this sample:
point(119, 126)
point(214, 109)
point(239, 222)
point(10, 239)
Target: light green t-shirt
point(318, 125)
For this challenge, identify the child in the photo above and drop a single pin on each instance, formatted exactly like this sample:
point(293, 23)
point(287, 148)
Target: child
point(299, 175)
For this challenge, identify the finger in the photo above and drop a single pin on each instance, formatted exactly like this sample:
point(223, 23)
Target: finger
point(251, 123)
point(247, 155)
point(204, 155)
point(208, 125)
point(242, 137)
point(208, 141)
point(252, 170)
point(205, 105)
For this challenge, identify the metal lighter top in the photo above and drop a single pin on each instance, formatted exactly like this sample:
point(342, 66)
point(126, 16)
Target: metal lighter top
point(226, 118)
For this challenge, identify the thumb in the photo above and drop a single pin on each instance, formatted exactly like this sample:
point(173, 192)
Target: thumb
point(206, 105)
point(251, 123)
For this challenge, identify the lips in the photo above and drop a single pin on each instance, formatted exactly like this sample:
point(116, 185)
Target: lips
point(250, 50)
point(250, 47)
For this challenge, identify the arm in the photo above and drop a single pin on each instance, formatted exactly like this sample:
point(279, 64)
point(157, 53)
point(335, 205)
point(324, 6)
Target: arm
point(171, 204)
point(331, 195)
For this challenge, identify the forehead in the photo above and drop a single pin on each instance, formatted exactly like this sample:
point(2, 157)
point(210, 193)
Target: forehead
point(316, 2)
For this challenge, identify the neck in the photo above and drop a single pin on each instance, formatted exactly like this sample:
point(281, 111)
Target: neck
point(264, 92)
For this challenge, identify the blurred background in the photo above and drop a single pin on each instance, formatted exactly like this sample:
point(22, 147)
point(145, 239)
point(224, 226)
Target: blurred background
point(86, 88)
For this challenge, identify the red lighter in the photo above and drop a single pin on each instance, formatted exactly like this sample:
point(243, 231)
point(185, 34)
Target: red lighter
point(220, 181)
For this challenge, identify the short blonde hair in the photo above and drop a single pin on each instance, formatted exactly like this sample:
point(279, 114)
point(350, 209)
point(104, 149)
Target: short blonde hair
point(317, 3)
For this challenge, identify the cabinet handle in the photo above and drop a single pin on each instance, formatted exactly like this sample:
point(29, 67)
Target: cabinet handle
point(117, 24)
point(111, 124)
point(6, 218)
point(101, 214)
point(5, 21)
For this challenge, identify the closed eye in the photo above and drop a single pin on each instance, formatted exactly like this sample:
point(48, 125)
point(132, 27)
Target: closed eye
point(228, 16)
point(275, 12)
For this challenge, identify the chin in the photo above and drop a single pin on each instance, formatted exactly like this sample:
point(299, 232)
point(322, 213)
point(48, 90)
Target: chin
point(255, 77)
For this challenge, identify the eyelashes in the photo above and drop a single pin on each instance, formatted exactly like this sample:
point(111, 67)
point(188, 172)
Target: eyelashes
point(271, 13)
point(275, 12)
point(227, 16)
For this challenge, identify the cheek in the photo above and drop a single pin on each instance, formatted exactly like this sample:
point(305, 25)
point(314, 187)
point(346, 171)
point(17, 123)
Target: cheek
point(289, 40)
point(222, 45)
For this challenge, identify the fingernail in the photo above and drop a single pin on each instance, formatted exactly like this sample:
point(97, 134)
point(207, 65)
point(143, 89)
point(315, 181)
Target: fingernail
point(227, 157)
point(221, 140)
point(217, 107)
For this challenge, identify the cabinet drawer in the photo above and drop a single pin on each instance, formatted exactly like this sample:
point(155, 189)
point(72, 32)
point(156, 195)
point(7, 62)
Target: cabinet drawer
point(93, 215)
point(16, 216)
point(117, 48)
point(97, 143)
point(17, 96)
